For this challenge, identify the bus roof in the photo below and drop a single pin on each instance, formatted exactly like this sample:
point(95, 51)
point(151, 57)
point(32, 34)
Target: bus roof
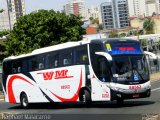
point(48, 49)
point(66, 45)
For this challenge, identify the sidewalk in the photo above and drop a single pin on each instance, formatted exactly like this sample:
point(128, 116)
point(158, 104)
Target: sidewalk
point(1, 96)
point(155, 76)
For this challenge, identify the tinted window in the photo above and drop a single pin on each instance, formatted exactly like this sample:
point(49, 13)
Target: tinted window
point(16, 66)
point(99, 63)
point(25, 65)
point(52, 60)
point(7, 69)
point(66, 57)
point(38, 63)
point(81, 55)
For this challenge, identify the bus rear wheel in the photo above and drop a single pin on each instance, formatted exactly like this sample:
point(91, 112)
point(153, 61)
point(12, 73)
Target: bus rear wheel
point(24, 101)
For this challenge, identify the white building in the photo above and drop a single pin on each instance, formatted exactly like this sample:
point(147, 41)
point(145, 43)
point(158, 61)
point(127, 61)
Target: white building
point(143, 7)
point(17, 8)
point(115, 14)
point(151, 7)
point(76, 7)
point(93, 12)
point(136, 7)
point(4, 21)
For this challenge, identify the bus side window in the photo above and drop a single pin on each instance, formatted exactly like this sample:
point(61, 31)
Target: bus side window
point(81, 55)
point(24, 65)
point(38, 63)
point(52, 60)
point(7, 69)
point(16, 66)
point(66, 57)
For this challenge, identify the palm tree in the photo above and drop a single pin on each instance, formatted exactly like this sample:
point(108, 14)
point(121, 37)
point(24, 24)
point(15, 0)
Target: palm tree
point(148, 26)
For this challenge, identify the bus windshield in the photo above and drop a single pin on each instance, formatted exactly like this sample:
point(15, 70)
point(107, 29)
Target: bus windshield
point(131, 68)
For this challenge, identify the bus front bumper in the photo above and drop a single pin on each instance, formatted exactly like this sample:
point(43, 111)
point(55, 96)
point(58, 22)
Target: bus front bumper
point(120, 95)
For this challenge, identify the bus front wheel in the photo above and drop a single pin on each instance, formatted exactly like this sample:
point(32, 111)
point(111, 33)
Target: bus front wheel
point(85, 96)
point(120, 101)
point(24, 101)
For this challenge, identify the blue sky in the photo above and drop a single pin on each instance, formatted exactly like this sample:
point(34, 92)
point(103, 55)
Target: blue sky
point(32, 5)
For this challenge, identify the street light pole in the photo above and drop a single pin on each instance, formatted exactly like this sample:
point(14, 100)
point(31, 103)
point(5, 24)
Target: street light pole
point(9, 17)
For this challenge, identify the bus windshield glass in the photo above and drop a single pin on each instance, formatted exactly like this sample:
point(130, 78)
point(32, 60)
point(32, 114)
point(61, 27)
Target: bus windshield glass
point(129, 62)
point(131, 68)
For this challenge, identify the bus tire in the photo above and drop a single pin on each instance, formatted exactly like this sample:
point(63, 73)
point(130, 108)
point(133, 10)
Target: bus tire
point(120, 101)
point(24, 101)
point(85, 96)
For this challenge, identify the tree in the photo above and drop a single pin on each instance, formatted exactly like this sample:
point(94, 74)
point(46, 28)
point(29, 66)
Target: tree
point(113, 34)
point(41, 29)
point(148, 26)
point(1, 10)
point(94, 21)
point(123, 35)
point(3, 33)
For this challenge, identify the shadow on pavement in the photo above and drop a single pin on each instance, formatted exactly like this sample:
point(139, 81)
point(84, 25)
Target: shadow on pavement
point(82, 105)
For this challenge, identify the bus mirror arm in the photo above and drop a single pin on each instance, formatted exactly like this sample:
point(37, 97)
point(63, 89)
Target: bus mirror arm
point(154, 56)
point(106, 55)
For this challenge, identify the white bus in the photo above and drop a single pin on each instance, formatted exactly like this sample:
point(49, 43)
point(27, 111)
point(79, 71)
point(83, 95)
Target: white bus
point(95, 70)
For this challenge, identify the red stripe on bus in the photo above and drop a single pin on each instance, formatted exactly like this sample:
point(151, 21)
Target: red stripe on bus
point(11, 96)
point(76, 95)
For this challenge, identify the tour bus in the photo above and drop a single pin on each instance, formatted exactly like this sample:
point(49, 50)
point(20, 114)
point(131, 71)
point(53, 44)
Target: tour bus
point(83, 71)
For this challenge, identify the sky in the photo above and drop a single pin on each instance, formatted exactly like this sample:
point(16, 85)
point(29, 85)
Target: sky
point(57, 5)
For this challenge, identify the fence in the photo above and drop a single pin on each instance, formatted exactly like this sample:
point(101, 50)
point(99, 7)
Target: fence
point(152, 67)
point(0, 81)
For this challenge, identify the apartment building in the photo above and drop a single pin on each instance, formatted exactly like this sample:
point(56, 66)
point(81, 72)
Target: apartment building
point(17, 8)
point(115, 14)
point(13, 10)
point(76, 7)
point(143, 7)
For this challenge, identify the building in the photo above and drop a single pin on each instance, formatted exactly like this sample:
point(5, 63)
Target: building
point(93, 12)
point(76, 7)
point(151, 7)
point(143, 7)
point(4, 21)
point(137, 23)
point(115, 14)
point(135, 8)
point(17, 8)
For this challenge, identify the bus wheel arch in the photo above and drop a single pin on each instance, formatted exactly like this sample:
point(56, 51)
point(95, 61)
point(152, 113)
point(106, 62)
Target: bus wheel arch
point(24, 100)
point(85, 94)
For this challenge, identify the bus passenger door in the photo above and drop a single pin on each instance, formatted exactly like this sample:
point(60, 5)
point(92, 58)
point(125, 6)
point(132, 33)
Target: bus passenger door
point(101, 77)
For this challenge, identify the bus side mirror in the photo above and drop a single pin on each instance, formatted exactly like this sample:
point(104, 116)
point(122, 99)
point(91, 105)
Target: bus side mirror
point(106, 55)
point(154, 56)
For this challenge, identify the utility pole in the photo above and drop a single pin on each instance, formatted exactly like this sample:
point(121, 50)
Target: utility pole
point(9, 17)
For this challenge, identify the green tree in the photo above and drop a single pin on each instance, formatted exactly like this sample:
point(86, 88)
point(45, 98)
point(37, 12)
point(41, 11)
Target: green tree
point(123, 35)
point(113, 34)
point(148, 26)
point(3, 33)
point(1, 10)
point(143, 42)
point(41, 29)
point(94, 21)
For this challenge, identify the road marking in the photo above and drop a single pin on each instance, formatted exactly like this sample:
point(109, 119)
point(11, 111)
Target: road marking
point(155, 89)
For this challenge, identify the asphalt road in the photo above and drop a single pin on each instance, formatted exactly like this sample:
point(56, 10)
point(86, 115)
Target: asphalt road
point(136, 106)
